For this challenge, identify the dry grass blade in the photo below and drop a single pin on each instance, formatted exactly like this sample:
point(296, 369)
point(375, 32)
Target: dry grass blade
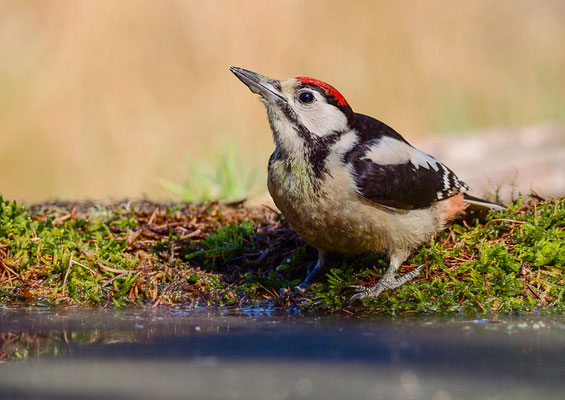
point(67, 273)
point(114, 270)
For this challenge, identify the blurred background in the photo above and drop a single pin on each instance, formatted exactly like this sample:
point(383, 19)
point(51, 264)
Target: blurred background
point(106, 99)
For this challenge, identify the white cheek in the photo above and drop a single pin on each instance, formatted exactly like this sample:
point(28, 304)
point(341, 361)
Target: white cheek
point(322, 118)
point(284, 133)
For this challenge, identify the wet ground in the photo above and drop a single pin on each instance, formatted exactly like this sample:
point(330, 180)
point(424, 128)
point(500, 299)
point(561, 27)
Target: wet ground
point(159, 354)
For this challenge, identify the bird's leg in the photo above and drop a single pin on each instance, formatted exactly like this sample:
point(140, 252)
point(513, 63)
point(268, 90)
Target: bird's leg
point(388, 281)
point(320, 267)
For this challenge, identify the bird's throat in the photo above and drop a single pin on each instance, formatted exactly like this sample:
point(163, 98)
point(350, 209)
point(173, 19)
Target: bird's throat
point(290, 177)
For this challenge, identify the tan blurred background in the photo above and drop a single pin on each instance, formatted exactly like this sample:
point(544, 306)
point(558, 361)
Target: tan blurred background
point(104, 99)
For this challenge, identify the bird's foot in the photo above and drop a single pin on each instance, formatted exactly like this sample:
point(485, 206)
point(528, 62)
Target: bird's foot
point(294, 294)
point(299, 289)
point(386, 282)
point(312, 271)
point(294, 290)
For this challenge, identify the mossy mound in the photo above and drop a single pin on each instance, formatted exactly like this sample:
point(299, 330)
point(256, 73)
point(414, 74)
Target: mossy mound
point(215, 254)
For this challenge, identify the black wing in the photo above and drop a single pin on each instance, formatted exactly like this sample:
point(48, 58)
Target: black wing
point(373, 128)
point(389, 171)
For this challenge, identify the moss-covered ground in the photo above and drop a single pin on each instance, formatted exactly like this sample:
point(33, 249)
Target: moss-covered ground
point(141, 253)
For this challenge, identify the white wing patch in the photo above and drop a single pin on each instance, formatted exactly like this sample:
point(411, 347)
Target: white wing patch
point(346, 142)
point(421, 159)
point(388, 151)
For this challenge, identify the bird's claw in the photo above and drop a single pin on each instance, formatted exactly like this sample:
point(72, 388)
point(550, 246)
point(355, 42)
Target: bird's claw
point(301, 287)
point(294, 290)
point(387, 282)
point(363, 292)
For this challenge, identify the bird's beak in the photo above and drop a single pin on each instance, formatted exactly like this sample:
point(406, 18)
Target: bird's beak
point(259, 84)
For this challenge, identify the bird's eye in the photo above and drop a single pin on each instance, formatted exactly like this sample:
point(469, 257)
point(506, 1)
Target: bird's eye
point(306, 97)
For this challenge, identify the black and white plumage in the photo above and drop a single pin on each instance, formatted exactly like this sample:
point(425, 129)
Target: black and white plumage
point(348, 183)
point(389, 171)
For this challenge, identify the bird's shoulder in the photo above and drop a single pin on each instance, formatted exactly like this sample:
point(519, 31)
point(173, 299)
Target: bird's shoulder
point(373, 128)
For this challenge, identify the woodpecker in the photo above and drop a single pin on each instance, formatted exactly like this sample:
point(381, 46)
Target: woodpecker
point(348, 183)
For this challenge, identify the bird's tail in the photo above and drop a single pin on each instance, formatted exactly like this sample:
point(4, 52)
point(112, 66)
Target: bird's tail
point(477, 203)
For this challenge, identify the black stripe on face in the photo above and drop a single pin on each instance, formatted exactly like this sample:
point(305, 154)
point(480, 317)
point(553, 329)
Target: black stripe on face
point(317, 148)
point(318, 152)
point(300, 129)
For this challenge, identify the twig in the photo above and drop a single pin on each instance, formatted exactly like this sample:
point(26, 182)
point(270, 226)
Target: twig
point(10, 279)
point(486, 284)
point(67, 273)
point(261, 256)
point(114, 278)
point(158, 301)
point(153, 216)
point(61, 218)
point(271, 292)
point(84, 266)
point(9, 269)
point(114, 270)
point(191, 234)
point(480, 305)
point(504, 220)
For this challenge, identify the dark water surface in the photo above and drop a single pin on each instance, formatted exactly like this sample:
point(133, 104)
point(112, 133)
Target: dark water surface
point(158, 354)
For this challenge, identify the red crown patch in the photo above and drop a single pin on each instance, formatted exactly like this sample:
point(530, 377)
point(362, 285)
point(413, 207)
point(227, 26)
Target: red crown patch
point(327, 88)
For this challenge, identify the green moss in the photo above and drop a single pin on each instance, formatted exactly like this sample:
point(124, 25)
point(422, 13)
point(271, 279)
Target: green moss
point(220, 255)
point(225, 244)
point(70, 253)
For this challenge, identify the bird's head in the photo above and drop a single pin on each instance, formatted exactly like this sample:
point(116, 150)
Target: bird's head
point(303, 112)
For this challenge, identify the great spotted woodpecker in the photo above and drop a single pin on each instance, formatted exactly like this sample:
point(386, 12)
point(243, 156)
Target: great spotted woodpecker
point(348, 183)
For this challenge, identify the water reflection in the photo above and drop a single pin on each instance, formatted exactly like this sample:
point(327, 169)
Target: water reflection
point(183, 334)
point(22, 345)
point(408, 357)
